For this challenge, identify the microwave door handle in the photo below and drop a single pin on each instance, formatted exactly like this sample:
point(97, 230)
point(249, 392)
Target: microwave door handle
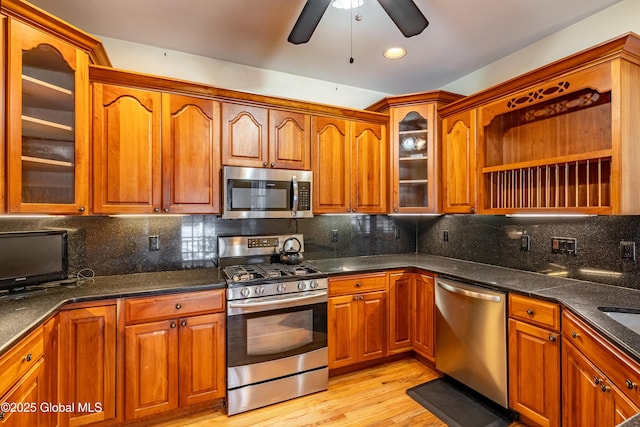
point(294, 208)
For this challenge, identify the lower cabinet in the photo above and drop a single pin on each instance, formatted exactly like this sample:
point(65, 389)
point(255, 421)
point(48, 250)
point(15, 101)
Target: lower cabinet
point(534, 360)
point(23, 388)
point(174, 355)
point(599, 383)
point(411, 313)
point(357, 319)
point(87, 364)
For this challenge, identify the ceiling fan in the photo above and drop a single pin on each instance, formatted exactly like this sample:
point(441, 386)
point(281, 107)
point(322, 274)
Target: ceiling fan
point(404, 13)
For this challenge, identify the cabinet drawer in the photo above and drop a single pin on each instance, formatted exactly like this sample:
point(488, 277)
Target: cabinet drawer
point(357, 284)
point(530, 310)
point(20, 359)
point(171, 306)
point(619, 368)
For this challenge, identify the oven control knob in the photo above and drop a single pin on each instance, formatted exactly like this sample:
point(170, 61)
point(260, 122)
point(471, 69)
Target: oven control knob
point(302, 286)
point(313, 284)
point(245, 292)
point(281, 287)
point(260, 290)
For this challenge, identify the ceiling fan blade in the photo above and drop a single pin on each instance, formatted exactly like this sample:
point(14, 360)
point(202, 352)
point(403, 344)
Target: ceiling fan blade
point(308, 21)
point(406, 15)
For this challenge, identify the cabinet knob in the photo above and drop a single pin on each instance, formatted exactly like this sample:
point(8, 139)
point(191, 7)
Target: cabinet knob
point(395, 209)
point(1, 416)
point(178, 306)
point(82, 209)
point(348, 210)
point(173, 325)
point(530, 312)
point(358, 285)
point(166, 210)
point(156, 210)
point(355, 298)
point(472, 210)
point(552, 338)
point(264, 164)
point(596, 380)
point(630, 384)
point(355, 210)
point(183, 323)
point(28, 357)
point(574, 334)
point(604, 387)
point(273, 165)
point(361, 297)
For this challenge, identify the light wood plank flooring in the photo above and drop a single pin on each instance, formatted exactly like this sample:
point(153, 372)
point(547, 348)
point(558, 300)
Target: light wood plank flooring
point(370, 397)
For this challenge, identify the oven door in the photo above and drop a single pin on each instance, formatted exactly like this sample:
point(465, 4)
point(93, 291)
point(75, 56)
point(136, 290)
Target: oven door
point(276, 336)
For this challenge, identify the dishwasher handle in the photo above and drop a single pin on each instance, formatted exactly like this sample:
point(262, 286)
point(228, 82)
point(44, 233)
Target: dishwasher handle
point(468, 293)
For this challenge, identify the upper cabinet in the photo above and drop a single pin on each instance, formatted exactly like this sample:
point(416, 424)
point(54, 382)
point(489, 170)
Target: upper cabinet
point(350, 166)
point(459, 163)
point(560, 139)
point(153, 152)
point(47, 144)
point(415, 129)
point(260, 137)
point(47, 111)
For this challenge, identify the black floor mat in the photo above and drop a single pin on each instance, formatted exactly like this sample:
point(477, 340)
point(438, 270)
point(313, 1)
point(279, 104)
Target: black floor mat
point(455, 406)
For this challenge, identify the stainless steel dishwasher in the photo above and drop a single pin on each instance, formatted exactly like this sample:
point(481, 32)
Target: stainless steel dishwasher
point(471, 337)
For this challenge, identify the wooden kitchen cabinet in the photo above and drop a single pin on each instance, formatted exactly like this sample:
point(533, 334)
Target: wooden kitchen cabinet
point(358, 320)
point(534, 360)
point(262, 137)
point(87, 364)
point(459, 193)
point(599, 383)
point(23, 383)
point(411, 313)
point(174, 351)
point(153, 152)
point(47, 123)
point(424, 322)
point(350, 161)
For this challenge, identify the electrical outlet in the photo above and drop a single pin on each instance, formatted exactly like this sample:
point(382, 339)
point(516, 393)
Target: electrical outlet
point(564, 245)
point(445, 236)
point(334, 235)
point(525, 242)
point(628, 250)
point(154, 243)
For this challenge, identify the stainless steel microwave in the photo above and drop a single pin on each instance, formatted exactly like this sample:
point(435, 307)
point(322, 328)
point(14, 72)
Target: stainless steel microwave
point(266, 193)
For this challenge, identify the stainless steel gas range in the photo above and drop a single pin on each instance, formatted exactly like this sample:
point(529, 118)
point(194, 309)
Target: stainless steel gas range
point(276, 321)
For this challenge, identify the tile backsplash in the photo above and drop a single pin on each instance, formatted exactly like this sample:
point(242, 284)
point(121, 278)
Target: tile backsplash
point(120, 245)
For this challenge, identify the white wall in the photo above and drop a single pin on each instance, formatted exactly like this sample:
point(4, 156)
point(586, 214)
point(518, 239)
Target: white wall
point(609, 23)
point(605, 25)
point(170, 63)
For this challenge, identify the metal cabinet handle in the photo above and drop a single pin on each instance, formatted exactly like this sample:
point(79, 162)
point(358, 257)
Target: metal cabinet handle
point(604, 387)
point(156, 210)
point(166, 210)
point(630, 384)
point(358, 285)
point(355, 298)
point(178, 306)
point(552, 338)
point(361, 297)
point(574, 334)
point(173, 325)
point(596, 380)
point(530, 312)
point(264, 164)
point(273, 165)
point(1, 416)
point(183, 323)
point(472, 210)
point(28, 357)
point(82, 209)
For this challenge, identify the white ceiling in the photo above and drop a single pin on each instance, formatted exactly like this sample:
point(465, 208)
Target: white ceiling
point(463, 35)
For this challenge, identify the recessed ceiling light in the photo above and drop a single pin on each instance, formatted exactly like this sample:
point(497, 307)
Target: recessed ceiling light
point(346, 4)
point(394, 53)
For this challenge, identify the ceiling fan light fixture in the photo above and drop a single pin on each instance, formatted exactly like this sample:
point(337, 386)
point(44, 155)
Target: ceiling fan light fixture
point(346, 4)
point(395, 53)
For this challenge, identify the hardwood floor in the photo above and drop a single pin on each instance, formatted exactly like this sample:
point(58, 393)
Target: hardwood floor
point(370, 397)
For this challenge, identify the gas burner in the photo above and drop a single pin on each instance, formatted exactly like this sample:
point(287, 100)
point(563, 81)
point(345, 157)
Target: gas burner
point(257, 272)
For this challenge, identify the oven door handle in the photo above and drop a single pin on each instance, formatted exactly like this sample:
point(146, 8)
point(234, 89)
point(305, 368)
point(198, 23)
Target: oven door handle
point(251, 307)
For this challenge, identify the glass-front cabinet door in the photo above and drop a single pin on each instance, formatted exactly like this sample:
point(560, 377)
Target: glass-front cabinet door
point(414, 159)
point(48, 124)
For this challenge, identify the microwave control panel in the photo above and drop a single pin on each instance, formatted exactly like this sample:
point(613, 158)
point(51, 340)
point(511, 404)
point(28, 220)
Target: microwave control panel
point(304, 196)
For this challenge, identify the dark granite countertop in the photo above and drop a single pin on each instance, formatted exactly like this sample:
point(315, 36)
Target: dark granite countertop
point(19, 317)
point(583, 298)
